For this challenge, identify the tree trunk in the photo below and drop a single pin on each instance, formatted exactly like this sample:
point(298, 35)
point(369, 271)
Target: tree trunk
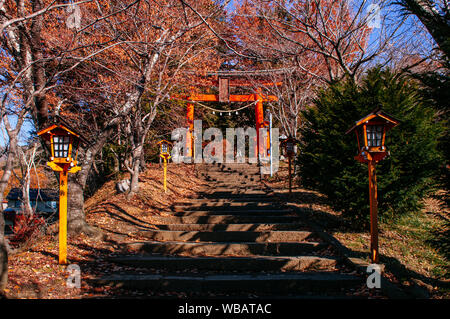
point(7, 171)
point(76, 183)
point(26, 204)
point(135, 169)
point(76, 219)
point(142, 161)
point(3, 255)
point(116, 163)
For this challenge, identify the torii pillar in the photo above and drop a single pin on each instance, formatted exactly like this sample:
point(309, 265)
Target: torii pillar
point(190, 132)
point(259, 121)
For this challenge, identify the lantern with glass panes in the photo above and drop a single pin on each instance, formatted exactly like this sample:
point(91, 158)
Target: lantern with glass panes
point(289, 144)
point(63, 143)
point(164, 149)
point(371, 134)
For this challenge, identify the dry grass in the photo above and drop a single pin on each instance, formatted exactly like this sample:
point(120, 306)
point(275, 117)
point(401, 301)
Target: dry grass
point(119, 216)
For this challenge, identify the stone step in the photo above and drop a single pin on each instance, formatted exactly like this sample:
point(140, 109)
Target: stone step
point(231, 227)
point(291, 283)
point(251, 171)
point(226, 236)
point(204, 199)
point(238, 195)
point(233, 181)
point(234, 194)
point(197, 202)
point(228, 166)
point(230, 177)
point(235, 198)
point(237, 181)
point(224, 219)
point(244, 191)
point(234, 184)
point(227, 207)
point(234, 212)
point(223, 248)
point(227, 193)
point(227, 176)
point(231, 170)
point(256, 263)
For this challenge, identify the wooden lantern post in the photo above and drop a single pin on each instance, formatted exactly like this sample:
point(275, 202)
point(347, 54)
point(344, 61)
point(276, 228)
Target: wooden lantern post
point(63, 142)
point(164, 153)
point(373, 212)
point(371, 134)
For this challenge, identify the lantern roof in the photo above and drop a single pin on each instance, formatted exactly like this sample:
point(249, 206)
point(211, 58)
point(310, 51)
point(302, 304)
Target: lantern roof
point(289, 139)
point(164, 141)
point(377, 114)
point(60, 124)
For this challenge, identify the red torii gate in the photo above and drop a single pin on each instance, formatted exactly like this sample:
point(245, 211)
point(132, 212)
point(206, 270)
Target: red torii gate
point(224, 95)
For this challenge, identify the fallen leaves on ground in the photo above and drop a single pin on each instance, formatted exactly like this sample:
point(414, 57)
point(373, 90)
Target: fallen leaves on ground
point(35, 272)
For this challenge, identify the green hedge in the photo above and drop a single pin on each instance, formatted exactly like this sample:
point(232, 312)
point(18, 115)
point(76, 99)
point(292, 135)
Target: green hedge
point(326, 157)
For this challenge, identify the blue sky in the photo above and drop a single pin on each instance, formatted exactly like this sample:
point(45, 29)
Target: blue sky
point(24, 134)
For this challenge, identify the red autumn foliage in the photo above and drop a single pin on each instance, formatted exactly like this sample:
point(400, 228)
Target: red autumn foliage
point(27, 228)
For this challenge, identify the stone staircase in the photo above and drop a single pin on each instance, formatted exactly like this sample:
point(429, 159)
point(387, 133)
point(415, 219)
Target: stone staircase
point(236, 239)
